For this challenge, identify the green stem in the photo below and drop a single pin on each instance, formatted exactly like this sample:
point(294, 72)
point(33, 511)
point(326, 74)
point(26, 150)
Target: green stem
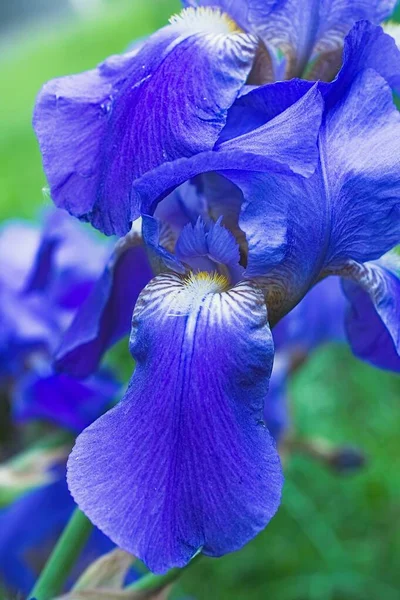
point(155, 582)
point(63, 557)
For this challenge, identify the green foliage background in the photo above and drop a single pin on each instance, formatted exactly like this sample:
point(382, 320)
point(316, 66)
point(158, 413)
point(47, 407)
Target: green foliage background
point(335, 537)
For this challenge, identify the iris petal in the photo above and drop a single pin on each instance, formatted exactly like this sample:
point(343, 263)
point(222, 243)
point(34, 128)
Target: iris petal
point(184, 462)
point(307, 29)
point(57, 265)
point(16, 266)
point(279, 145)
point(349, 209)
point(209, 242)
point(105, 316)
point(60, 399)
point(373, 319)
point(360, 152)
point(366, 47)
point(100, 130)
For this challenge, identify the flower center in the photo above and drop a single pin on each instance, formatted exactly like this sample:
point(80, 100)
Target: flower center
point(203, 283)
point(205, 19)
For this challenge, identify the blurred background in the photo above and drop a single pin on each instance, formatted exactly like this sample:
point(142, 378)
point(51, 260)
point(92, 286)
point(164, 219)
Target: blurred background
point(336, 536)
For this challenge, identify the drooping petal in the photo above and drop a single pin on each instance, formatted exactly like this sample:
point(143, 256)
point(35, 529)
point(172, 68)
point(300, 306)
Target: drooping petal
point(58, 398)
point(101, 130)
point(184, 462)
point(105, 316)
point(373, 320)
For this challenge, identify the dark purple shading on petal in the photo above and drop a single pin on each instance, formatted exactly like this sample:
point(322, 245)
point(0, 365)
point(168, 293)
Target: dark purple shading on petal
point(101, 130)
point(105, 316)
point(41, 274)
point(184, 462)
point(68, 402)
point(373, 319)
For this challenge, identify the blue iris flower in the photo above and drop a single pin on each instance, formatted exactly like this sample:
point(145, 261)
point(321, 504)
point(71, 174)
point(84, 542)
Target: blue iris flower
point(248, 196)
point(141, 117)
point(43, 280)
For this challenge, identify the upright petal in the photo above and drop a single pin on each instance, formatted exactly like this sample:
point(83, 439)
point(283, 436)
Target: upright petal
point(105, 316)
point(264, 103)
point(373, 319)
point(208, 246)
point(349, 209)
point(286, 143)
point(305, 29)
point(366, 47)
point(184, 463)
point(101, 130)
point(360, 155)
point(57, 268)
point(184, 205)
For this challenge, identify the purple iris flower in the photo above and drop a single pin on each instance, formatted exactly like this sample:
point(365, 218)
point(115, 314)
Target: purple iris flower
point(45, 275)
point(144, 117)
point(43, 280)
point(248, 197)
